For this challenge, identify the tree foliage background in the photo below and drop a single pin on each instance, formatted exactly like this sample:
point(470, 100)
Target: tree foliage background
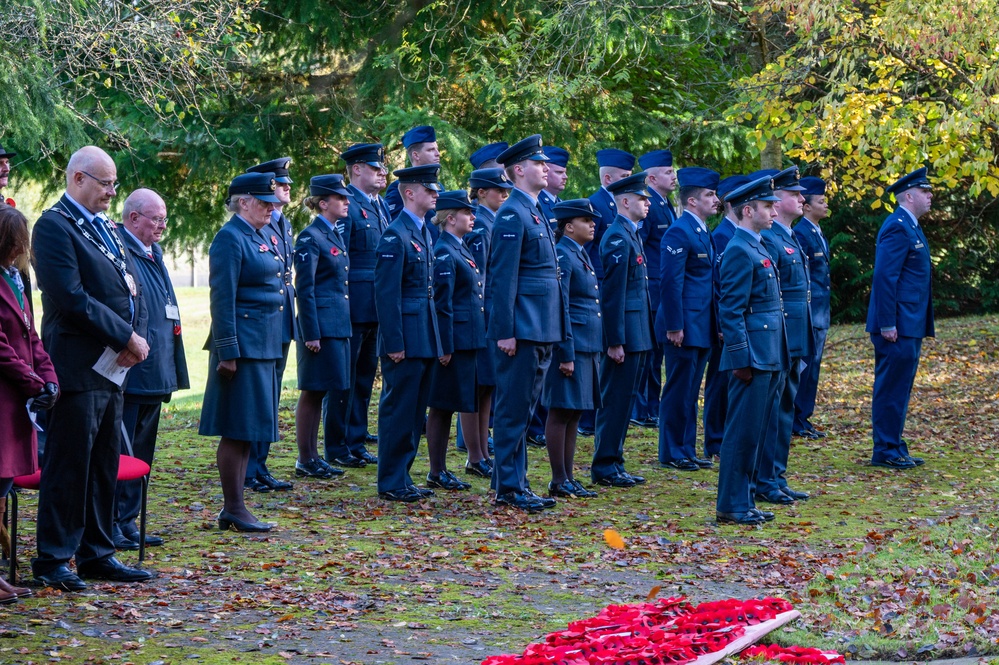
point(187, 93)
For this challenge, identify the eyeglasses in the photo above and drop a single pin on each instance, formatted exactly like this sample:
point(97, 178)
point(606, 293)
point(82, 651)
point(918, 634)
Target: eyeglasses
point(158, 221)
point(113, 184)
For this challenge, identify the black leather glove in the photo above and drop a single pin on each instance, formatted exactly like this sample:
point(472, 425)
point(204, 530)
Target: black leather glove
point(46, 399)
point(52, 389)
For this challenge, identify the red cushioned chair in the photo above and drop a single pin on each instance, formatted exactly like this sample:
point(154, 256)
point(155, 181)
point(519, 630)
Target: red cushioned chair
point(129, 468)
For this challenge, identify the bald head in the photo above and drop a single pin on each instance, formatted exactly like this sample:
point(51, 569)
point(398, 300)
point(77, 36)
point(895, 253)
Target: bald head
point(145, 216)
point(91, 178)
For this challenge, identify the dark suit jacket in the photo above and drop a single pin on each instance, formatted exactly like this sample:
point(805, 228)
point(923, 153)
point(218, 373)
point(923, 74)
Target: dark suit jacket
point(794, 289)
point(165, 369)
point(321, 282)
point(686, 292)
point(85, 300)
point(581, 298)
point(816, 251)
point(901, 293)
point(278, 232)
point(523, 276)
point(624, 292)
point(459, 296)
point(407, 319)
point(246, 277)
point(361, 231)
point(547, 203)
point(750, 308)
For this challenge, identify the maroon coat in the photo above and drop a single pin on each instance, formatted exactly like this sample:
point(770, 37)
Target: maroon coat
point(25, 368)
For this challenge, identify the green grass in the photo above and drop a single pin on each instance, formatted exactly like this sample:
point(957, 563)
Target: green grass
point(370, 581)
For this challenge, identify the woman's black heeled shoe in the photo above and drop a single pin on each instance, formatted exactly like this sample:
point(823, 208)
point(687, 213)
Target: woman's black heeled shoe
point(227, 521)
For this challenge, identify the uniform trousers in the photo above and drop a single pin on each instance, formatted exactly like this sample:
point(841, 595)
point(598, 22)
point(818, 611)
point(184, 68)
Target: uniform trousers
point(650, 385)
point(141, 423)
point(364, 365)
point(715, 403)
point(79, 471)
point(772, 461)
point(618, 382)
point(749, 409)
point(518, 387)
point(678, 410)
point(401, 412)
point(804, 403)
point(895, 366)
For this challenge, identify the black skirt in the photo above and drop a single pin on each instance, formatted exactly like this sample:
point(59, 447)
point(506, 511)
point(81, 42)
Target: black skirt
point(244, 407)
point(327, 370)
point(455, 387)
point(580, 392)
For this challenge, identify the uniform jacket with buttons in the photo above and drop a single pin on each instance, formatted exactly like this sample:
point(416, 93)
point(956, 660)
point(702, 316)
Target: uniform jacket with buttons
point(603, 202)
point(661, 216)
point(85, 299)
point(816, 250)
point(581, 298)
point(361, 230)
point(393, 200)
point(278, 232)
point(795, 289)
point(750, 308)
point(407, 318)
point(686, 291)
point(901, 293)
point(523, 276)
point(247, 294)
point(322, 282)
point(624, 291)
point(459, 295)
point(165, 368)
point(546, 202)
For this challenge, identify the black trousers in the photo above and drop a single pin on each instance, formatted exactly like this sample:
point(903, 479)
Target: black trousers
point(141, 423)
point(79, 470)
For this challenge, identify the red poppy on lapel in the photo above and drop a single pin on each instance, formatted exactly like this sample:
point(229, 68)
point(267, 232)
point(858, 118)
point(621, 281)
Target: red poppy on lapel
point(789, 250)
point(537, 220)
point(176, 329)
point(364, 213)
point(11, 203)
point(264, 248)
point(766, 263)
point(640, 259)
point(471, 262)
point(274, 240)
point(334, 251)
point(415, 246)
point(111, 223)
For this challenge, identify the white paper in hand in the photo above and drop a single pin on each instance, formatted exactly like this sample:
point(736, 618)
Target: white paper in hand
point(108, 367)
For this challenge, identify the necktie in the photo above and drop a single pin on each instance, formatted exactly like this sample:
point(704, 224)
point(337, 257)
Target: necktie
point(100, 226)
point(15, 275)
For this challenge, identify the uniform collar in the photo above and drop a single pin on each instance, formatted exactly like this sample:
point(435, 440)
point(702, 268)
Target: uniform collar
point(416, 220)
point(751, 234)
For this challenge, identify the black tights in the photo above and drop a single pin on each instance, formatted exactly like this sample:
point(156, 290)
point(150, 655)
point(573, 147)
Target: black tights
point(560, 438)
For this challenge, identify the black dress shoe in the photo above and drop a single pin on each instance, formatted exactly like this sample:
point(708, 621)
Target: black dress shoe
point(489, 446)
point(446, 480)
point(895, 463)
point(62, 578)
point(651, 421)
point(520, 500)
point(682, 464)
point(817, 433)
point(257, 486)
point(739, 518)
point(350, 462)
point(615, 480)
point(311, 469)
point(277, 485)
point(637, 422)
point(368, 457)
point(585, 431)
point(480, 469)
point(765, 514)
point(702, 462)
point(331, 469)
point(370, 438)
point(133, 534)
point(581, 491)
point(774, 496)
point(564, 489)
point(804, 434)
point(113, 570)
point(406, 495)
point(546, 501)
point(638, 480)
point(228, 521)
point(536, 441)
point(797, 496)
point(918, 461)
point(123, 543)
point(422, 491)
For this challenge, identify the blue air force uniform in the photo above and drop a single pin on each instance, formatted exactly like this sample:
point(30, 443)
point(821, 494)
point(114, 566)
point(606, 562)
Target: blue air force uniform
point(527, 305)
point(603, 201)
point(583, 344)
point(627, 321)
point(393, 198)
point(407, 321)
point(459, 296)
point(901, 298)
point(321, 279)
point(815, 247)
